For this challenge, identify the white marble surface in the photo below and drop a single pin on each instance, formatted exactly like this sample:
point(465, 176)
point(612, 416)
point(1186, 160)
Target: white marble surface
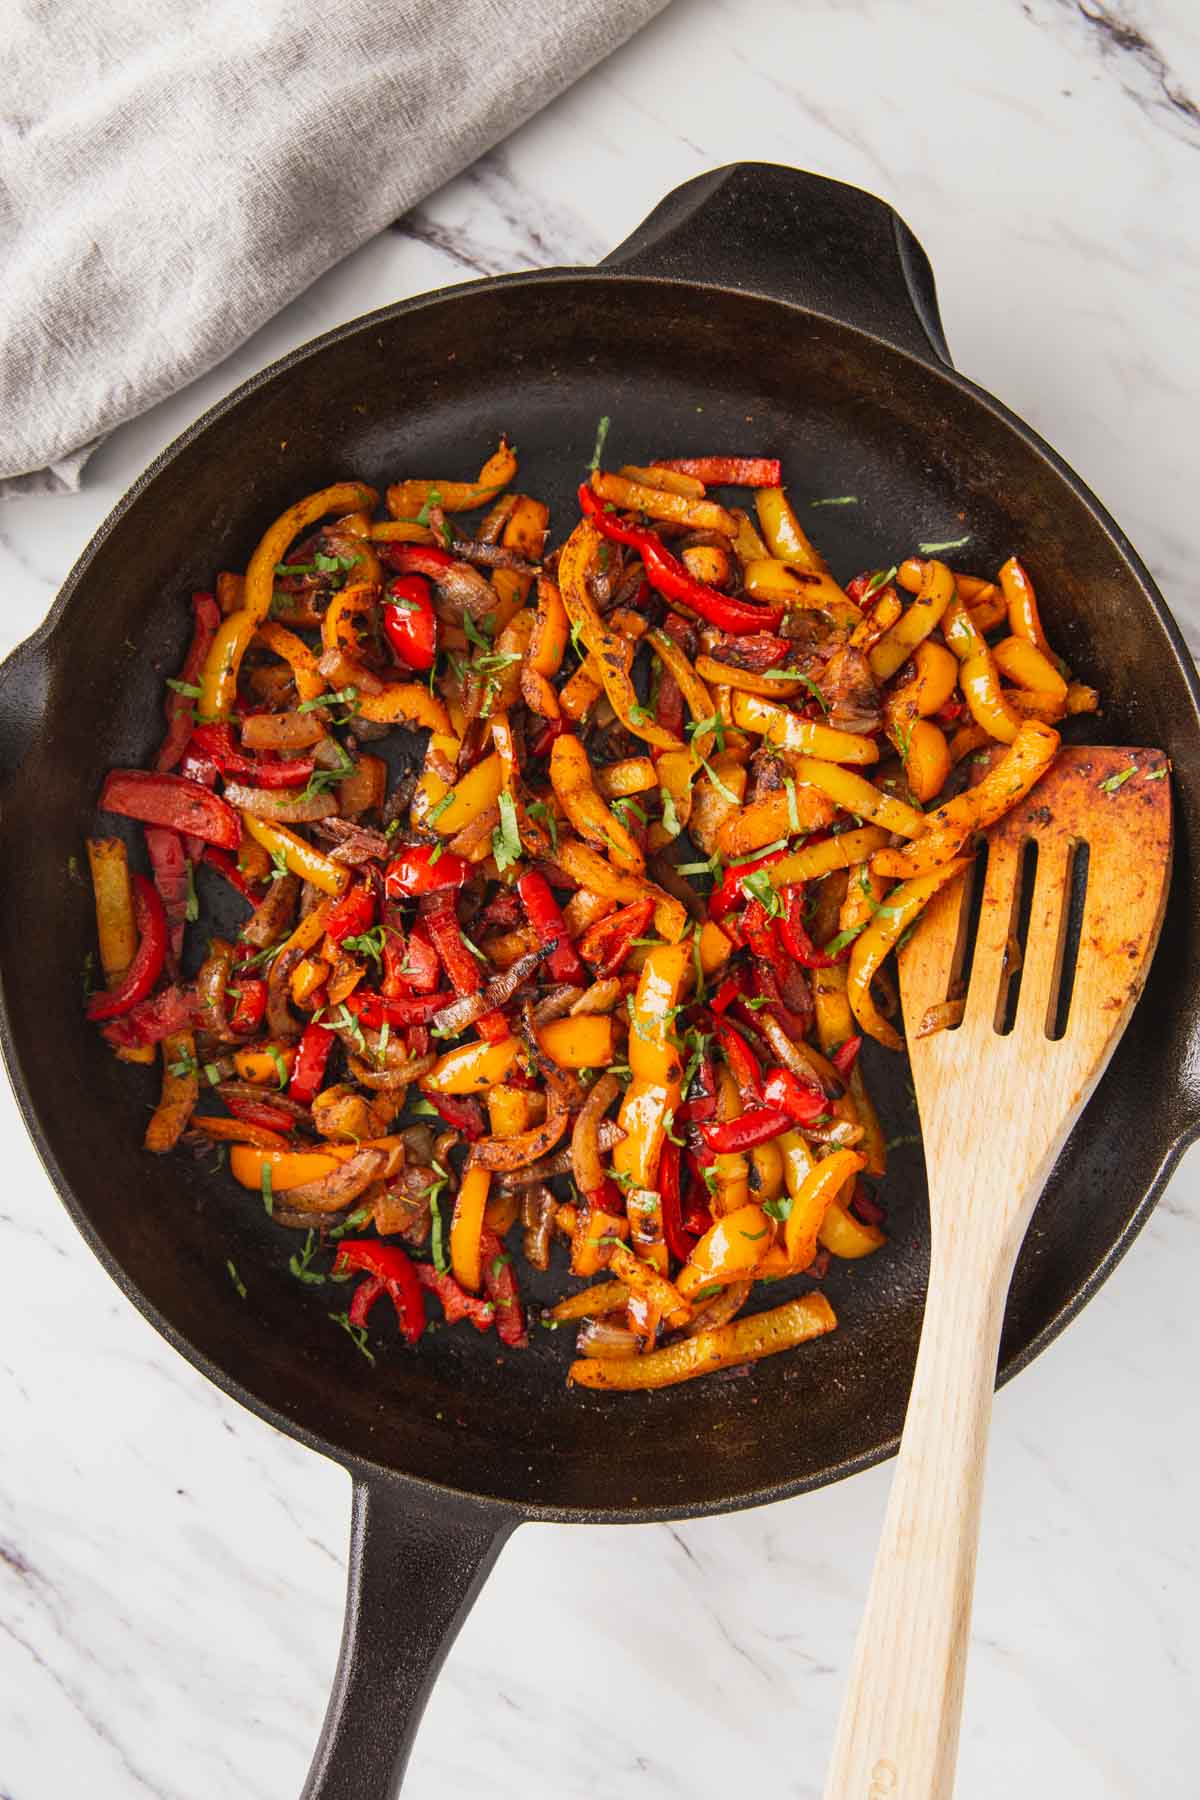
point(171, 1570)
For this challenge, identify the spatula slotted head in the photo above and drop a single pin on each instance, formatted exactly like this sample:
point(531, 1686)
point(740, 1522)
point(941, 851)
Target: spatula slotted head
point(1050, 937)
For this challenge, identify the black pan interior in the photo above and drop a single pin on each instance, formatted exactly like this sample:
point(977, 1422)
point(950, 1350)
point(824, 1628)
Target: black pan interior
point(425, 390)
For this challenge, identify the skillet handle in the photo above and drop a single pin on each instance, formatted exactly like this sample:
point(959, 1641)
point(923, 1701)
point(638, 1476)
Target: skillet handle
point(814, 243)
point(415, 1571)
point(24, 684)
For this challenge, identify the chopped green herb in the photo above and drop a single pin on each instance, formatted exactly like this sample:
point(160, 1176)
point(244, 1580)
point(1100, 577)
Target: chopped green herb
point(435, 812)
point(1155, 775)
point(189, 688)
point(279, 865)
point(624, 805)
point(356, 1333)
point(342, 697)
point(726, 793)
point(360, 1216)
point(837, 500)
point(192, 909)
point(1117, 781)
point(836, 945)
point(880, 579)
point(789, 788)
point(281, 1068)
point(537, 809)
point(737, 862)
point(367, 943)
point(778, 1209)
point(950, 544)
point(89, 974)
point(346, 1021)
point(211, 1074)
point(437, 1241)
point(300, 1263)
point(506, 836)
point(638, 714)
point(265, 1178)
point(236, 1279)
point(759, 886)
point(601, 439)
point(435, 499)
point(712, 866)
point(699, 727)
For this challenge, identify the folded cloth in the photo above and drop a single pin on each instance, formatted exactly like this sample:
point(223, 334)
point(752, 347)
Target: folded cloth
point(171, 174)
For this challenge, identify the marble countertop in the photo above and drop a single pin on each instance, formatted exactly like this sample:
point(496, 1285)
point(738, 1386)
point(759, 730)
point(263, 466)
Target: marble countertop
point(172, 1570)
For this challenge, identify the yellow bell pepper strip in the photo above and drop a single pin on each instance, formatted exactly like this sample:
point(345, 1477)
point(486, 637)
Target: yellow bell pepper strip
point(466, 1227)
point(593, 1229)
point(746, 541)
point(115, 924)
point(1004, 786)
point(340, 623)
point(1023, 663)
point(815, 860)
point(584, 1041)
point(845, 1236)
point(218, 684)
point(926, 757)
point(779, 815)
point(903, 907)
point(671, 481)
point(591, 1303)
point(746, 680)
point(740, 1341)
point(727, 1251)
point(882, 616)
point(699, 700)
point(405, 499)
point(571, 779)
point(926, 691)
point(641, 1278)
point(524, 532)
point(472, 1068)
point(657, 503)
point(676, 773)
point(961, 632)
point(547, 647)
point(310, 683)
point(915, 623)
point(786, 537)
point(980, 680)
point(766, 1172)
point(264, 1066)
point(1024, 620)
point(302, 859)
point(591, 871)
point(441, 755)
point(612, 652)
point(776, 584)
point(786, 730)
point(714, 948)
point(404, 702)
point(180, 1092)
point(509, 1110)
point(655, 1064)
point(835, 1027)
point(818, 1191)
point(855, 795)
point(731, 1170)
point(479, 788)
point(578, 695)
point(621, 780)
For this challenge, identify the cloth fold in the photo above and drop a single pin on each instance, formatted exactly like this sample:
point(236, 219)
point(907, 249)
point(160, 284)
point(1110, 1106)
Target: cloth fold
point(172, 175)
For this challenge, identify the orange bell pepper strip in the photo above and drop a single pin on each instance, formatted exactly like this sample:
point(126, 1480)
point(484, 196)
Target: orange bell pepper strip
point(292, 1168)
point(612, 652)
point(310, 683)
point(1024, 620)
point(591, 871)
point(261, 1067)
point(632, 775)
point(474, 1067)
point(571, 779)
point(584, 1041)
point(699, 700)
point(655, 1063)
point(854, 794)
point(602, 1297)
point(407, 498)
point(818, 1191)
point(742, 1340)
point(524, 532)
point(926, 691)
point(786, 730)
point(914, 625)
point(466, 1227)
point(844, 1235)
point(301, 858)
point(404, 702)
point(729, 1250)
point(926, 757)
point(903, 907)
point(839, 852)
point(547, 647)
point(180, 1092)
point(238, 1131)
point(980, 679)
point(640, 1278)
point(1023, 663)
point(218, 683)
point(659, 503)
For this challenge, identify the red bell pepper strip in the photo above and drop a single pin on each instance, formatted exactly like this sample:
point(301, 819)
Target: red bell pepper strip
point(541, 909)
point(410, 623)
point(743, 1064)
point(353, 914)
point(420, 969)
point(461, 1112)
point(162, 1015)
point(421, 869)
point(766, 987)
point(260, 1112)
point(679, 1241)
point(221, 859)
point(398, 1273)
point(372, 1010)
point(196, 767)
point(755, 1127)
point(801, 1100)
point(697, 1201)
point(760, 934)
point(151, 920)
point(308, 1070)
point(170, 868)
point(543, 742)
point(845, 1056)
point(950, 713)
point(794, 932)
point(250, 1003)
point(416, 559)
point(865, 1207)
point(216, 743)
point(728, 991)
point(363, 1299)
point(607, 1198)
point(728, 471)
point(441, 921)
point(729, 894)
point(172, 800)
point(668, 577)
point(605, 945)
point(500, 1286)
point(456, 1302)
point(206, 615)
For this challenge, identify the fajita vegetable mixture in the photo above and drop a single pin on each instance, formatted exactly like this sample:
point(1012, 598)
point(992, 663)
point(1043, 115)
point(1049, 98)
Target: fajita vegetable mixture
point(597, 966)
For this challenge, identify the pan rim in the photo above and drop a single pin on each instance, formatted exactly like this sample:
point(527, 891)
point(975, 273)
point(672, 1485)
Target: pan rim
point(57, 618)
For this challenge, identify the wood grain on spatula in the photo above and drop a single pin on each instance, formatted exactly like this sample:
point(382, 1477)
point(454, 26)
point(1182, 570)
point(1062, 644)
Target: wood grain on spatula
point(997, 1096)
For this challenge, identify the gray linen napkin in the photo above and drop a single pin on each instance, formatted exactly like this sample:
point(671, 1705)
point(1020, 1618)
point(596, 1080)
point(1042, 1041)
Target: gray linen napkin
point(173, 172)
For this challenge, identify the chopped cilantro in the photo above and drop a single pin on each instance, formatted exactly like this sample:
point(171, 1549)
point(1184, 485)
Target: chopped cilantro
point(950, 544)
point(236, 1279)
point(356, 1333)
point(506, 836)
point(601, 438)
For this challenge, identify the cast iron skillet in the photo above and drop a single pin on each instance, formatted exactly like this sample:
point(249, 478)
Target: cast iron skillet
point(757, 309)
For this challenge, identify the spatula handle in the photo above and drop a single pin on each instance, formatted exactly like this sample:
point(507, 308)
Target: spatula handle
point(898, 1733)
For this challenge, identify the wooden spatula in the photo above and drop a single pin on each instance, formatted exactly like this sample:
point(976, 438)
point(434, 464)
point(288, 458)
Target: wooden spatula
point(997, 1098)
